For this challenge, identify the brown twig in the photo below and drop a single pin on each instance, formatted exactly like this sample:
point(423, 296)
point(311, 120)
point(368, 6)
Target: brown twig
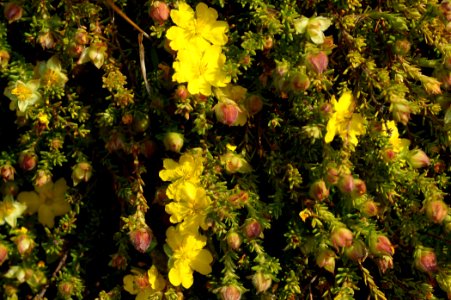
point(58, 268)
point(126, 18)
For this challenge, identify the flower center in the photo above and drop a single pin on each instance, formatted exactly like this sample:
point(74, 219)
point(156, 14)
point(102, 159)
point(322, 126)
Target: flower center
point(22, 92)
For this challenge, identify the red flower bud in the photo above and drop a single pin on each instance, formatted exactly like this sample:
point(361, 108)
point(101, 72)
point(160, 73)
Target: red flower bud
point(261, 282)
point(436, 211)
point(230, 292)
point(28, 160)
point(318, 62)
point(380, 245)
point(359, 188)
point(181, 92)
point(173, 141)
point(425, 260)
point(4, 58)
point(66, 289)
point(318, 190)
point(12, 12)
point(141, 238)
point(252, 229)
point(159, 11)
point(24, 244)
point(341, 237)
point(118, 261)
point(233, 240)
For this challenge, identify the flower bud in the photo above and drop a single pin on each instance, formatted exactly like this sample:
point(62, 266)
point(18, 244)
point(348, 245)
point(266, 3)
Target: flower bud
point(252, 229)
point(81, 36)
point(159, 11)
point(380, 245)
point(253, 104)
point(326, 259)
point(318, 62)
point(282, 68)
point(66, 289)
point(418, 159)
point(27, 160)
point(7, 172)
point(261, 282)
point(384, 263)
point(318, 190)
point(81, 172)
point(118, 261)
point(268, 43)
point(346, 184)
point(388, 155)
point(233, 240)
point(436, 211)
point(369, 208)
point(235, 163)
point(425, 259)
point(230, 292)
point(332, 176)
point(181, 92)
point(12, 12)
point(3, 253)
point(357, 251)
point(147, 148)
point(359, 188)
point(402, 47)
point(9, 188)
point(227, 112)
point(42, 177)
point(173, 141)
point(47, 40)
point(239, 198)
point(141, 238)
point(300, 82)
point(341, 237)
point(401, 111)
point(24, 244)
point(141, 122)
point(4, 59)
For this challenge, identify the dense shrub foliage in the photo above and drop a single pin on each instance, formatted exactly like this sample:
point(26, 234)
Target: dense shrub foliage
point(241, 149)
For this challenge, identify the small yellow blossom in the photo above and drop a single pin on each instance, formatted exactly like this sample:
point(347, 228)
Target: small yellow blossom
point(10, 210)
point(198, 28)
point(344, 122)
point(51, 73)
point(188, 255)
point(49, 201)
point(305, 214)
point(140, 284)
point(398, 145)
point(156, 281)
point(23, 94)
point(314, 27)
point(201, 68)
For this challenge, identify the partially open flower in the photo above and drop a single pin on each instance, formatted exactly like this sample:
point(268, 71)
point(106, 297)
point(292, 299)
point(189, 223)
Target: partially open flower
point(7, 172)
point(235, 163)
point(380, 245)
point(81, 172)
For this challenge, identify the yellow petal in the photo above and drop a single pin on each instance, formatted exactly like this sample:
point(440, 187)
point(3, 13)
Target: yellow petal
point(31, 199)
point(201, 263)
point(46, 216)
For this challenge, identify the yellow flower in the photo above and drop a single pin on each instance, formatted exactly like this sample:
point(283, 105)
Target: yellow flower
point(23, 94)
point(10, 210)
point(191, 208)
point(344, 122)
point(233, 92)
point(49, 201)
point(188, 255)
point(198, 29)
point(201, 69)
point(140, 284)
point(51, 73)
point(313, 26)
point(389, 128)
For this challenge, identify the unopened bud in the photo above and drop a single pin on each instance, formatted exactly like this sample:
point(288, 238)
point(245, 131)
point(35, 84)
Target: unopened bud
point(181, 92)
point(436, 211)
point(12, 12)
point(227, 112)
point(326, 259)
point(418, 159)
point(359, 188)
point(300, 82)
point(384, 263)
point(268, 43)
point(3, 253)
point(341, 237)
point(253, 104)
point(27, 160)
point(24, 244)
point(357, 251)
point(47, 40)
point(7, 172)
point(346, 184)
point(261, 282)
point(81, 36)
point(118, 261)
point(147, 148)
point(81, 172)
point(319, 191)
point(369, 208)
point(4, 58)
point(332, 176)
point(230, 292)
point(389, 155)
point(401, 111)
point(380, 245)
point(66, 289)
point(159, 11)
point(252, 229)
point(233, 240)
point(173, 141)
point(141, 238)
point(318, 62)
point(402, 47)
point(425, 260)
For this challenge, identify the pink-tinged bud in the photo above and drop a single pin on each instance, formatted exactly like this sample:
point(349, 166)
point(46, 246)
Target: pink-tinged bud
point(326, 110)
point(42, 177)
point(346, 184)
point(332, 176)
point(239, 199)
point(341, 237)
point(252, 229)
point(233, 240)
point(425, 260)
point(389, 155)
point(253, 104)
point(326, 259)
point(27, 160)
point(47, 40)
point(300, 82)
point(81, 36)
point(369, 208)
point(436, 211)
point(319, 191)
point(261, 282)
point(401, 111)
point(66, 289)
point(359, 188)
point(24, 244)
point(418, 159)
point(227, 113)
point(230, 292)
point(159, 12)
point(318, 62)
point(81, 172)
point(13, 12)
point(380, 245)
point(173, 141)
point(357, 251)
point(384, 263)
point(181, 92)
point(118, 261)
point(3, 253)
point(4, 59)
point(7, 172)
point(141, 238)
point(402, 47)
